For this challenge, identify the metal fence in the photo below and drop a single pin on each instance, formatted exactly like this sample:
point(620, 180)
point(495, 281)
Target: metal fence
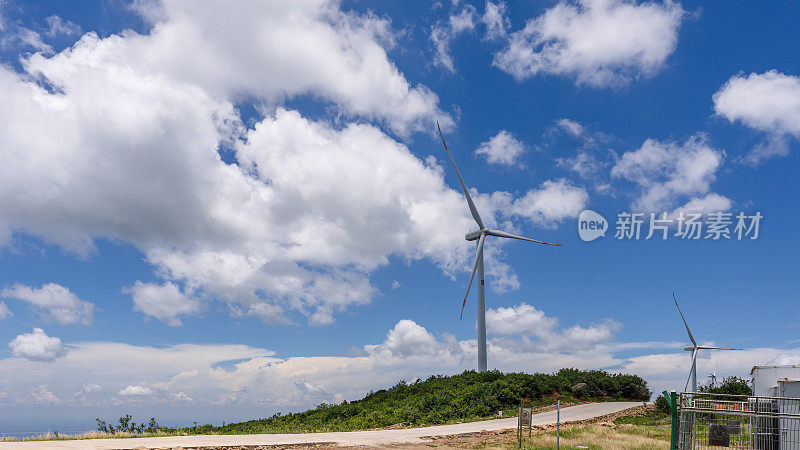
point(738, 421)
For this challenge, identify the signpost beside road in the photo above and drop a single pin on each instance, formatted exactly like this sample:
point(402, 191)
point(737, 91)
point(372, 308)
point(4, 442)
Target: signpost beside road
point(524, 420)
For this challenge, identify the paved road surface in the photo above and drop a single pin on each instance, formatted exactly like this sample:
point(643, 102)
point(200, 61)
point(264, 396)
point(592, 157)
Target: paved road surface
point(352, 438)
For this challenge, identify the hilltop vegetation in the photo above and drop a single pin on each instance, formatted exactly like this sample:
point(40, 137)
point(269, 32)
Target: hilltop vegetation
point(446, 399)
point(730, 385)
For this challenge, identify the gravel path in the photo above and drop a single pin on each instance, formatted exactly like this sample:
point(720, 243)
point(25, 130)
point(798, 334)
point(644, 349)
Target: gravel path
point(414, 436)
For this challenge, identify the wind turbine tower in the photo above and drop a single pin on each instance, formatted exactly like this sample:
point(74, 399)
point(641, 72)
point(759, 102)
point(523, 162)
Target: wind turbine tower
point(480, 236)
point(694, 349)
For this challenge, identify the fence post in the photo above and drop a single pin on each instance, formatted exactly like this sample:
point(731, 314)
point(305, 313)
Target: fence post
point(672, 399)
point(558, 425)
point(519, 425)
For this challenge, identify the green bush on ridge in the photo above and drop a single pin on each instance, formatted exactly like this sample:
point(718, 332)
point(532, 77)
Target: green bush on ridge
point(444, 399)
point(730, 385)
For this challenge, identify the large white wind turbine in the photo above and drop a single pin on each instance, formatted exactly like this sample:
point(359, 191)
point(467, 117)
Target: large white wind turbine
point(480, 236)
point(694, 349)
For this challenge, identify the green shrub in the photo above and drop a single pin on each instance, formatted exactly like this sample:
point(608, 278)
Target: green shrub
point(662, 405)
point(127, 425)
point(730, 386)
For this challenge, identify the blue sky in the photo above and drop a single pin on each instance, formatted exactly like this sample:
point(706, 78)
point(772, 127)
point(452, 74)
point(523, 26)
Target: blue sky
point(210, 214)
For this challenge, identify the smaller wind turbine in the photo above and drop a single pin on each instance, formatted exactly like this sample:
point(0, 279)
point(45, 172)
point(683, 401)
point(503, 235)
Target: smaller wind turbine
point(713, 375)
point(694, 349)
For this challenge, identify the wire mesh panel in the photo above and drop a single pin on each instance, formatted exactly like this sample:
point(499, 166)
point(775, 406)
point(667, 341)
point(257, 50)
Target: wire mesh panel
point(738, 421)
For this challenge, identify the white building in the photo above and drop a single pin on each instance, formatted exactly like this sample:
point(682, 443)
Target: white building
point(776, 381)
point(783, 382)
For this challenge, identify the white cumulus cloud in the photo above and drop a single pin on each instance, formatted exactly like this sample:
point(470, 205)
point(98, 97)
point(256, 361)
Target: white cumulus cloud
point(37, 346)
point(599, 42)
point(53, 302)
point(784, 359)
point(520, 319)
point(710, 203)
point(277, 49)
point(550, 203)
point(230, 230)
point(136, 391)
point(669, 173)
point(768, 102)
point(165, 302)
point(540, 330)
point(407, 338)
point(502, 149)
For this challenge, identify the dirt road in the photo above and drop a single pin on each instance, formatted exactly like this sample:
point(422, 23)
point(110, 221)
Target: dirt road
point(412, 436)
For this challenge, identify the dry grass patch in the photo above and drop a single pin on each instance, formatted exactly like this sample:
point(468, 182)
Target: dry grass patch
point(599, 436)
point(602, 436)
point(637, 428)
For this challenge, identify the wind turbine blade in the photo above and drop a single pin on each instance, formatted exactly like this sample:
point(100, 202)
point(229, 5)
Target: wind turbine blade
point(684, 321)
point(691, 369)
point(506, 234)
point(472, 208)
point(478, 255)
point(702, 347)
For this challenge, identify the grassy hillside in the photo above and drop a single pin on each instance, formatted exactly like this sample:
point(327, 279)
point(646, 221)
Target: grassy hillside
point(444, 399)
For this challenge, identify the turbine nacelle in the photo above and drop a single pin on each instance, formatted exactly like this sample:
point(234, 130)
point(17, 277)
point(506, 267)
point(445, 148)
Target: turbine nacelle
point(472, 235)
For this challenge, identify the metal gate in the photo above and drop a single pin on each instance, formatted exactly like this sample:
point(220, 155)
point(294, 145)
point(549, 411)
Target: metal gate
point(738, 421)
